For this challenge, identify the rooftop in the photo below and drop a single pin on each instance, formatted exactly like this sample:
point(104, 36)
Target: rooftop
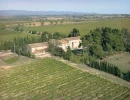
point(63, 41)
point(73, 38)
point(38, 44)
point(66, 40)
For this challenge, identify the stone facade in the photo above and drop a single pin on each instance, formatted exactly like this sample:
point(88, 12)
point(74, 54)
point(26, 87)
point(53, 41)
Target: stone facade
point(72, 42)
point(38, 48)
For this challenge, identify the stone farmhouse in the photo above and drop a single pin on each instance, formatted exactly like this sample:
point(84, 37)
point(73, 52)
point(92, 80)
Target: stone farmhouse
point(38, 48)
point(72, 42)
point(41, 48)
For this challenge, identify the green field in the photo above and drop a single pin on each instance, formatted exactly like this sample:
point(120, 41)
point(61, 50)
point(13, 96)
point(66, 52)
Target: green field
point(120, 60)
point(83, 27)
point(11, 60)
point(48, 79)
point(8, 35)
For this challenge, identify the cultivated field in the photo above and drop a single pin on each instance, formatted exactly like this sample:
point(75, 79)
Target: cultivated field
point(8, 35)
point(13, 22)
point(83, 27)
point(49, 79)
point(120, 60)
point(33, 24)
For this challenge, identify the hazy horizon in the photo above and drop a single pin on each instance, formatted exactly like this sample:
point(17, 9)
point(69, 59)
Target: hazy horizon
point(85, 6)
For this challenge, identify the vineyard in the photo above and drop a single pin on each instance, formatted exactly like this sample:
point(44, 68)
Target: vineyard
point(48, 79)
point(9, 35)
point(84, 27)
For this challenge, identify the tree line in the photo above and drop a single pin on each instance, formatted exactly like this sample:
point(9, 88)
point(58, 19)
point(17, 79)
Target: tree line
point(109, 68)
point(18, 45)
point(105, 41)
point(98, 43)
point(105, 66)
point(45, 37)
point(52, 22)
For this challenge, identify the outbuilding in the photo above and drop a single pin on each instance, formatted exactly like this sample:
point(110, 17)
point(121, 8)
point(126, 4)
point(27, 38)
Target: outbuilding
point(38, 48)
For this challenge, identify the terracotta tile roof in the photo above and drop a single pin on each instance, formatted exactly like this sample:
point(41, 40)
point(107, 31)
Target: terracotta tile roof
point(73, 38)
point(41, 50)
point(63, 41)
point(34, 45)
point(66, 40)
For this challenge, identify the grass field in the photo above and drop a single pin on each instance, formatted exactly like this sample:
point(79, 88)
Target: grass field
point(83, 27)
point(8, 35)
point(49, 79)
point(11, 60)
point(120, 60)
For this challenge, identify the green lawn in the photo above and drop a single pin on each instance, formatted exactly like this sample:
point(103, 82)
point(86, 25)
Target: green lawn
point(120, 60)
point(11, 60)
point(83, 27)
point(48, 79)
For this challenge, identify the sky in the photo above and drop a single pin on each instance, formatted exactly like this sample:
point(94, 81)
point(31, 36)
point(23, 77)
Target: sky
point(88, 6)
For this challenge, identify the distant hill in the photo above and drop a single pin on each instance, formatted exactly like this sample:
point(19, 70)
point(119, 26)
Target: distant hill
point(24, 12)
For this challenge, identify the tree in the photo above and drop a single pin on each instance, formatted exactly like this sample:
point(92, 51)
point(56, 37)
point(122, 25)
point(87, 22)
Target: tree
point(126, 76)
point(45, 36)
point(2, 26)
point(29, 54)
point(108, 47)
point(61, 21)
point(56, 22)
point(33, 56)
point(87, 40)
point(97, 37)
point(1, 44)
point(109, 39)
point(19, 28)
point(51, 22)
point(42, 23)
point(74, 33)
point(34, 32)
point(84, 42)
point(58, 35)
point(96, 50)
point(126, 35)
point(30, 24)
point(75, 59)
point(56, 51)
point(68, 54)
